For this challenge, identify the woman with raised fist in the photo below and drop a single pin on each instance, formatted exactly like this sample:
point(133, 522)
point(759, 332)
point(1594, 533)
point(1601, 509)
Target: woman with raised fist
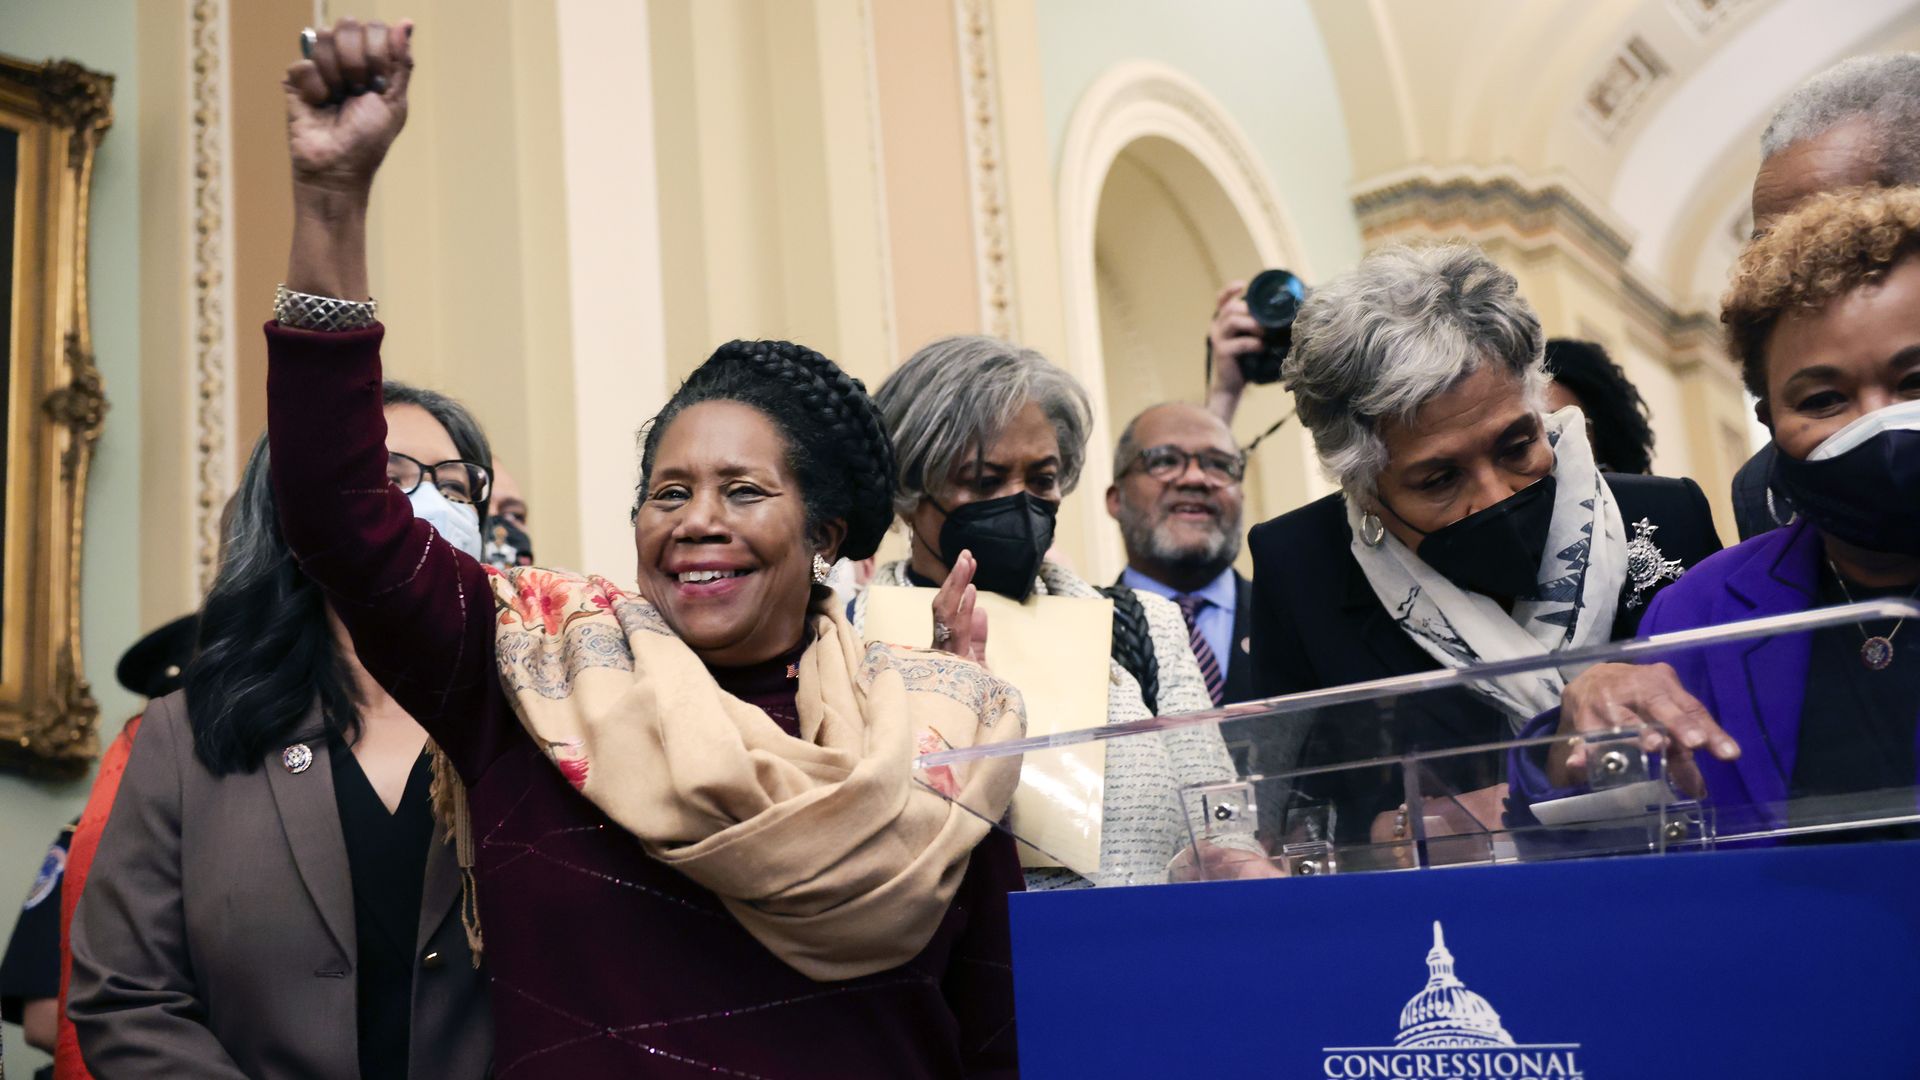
point(694, 834)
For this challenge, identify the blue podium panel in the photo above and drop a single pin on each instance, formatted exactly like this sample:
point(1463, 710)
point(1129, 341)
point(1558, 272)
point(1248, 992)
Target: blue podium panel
point(1740, 965)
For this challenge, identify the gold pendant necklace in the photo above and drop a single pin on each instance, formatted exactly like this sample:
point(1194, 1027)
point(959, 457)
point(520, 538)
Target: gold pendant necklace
point(1877, 651)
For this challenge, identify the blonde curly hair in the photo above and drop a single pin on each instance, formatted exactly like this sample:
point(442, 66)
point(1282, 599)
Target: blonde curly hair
point(1829, 246)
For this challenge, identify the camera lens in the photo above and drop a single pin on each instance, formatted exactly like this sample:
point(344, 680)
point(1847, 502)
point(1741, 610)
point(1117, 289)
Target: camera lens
point(1274, 297)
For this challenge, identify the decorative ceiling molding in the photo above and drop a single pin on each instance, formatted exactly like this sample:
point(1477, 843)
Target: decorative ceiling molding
point(1705, 16)
point(1713, 113)
point(1688, 341)
point(1501, 206)
point(1467, 201)
point(212, 289)
point(1625, 82)
point(986, 167)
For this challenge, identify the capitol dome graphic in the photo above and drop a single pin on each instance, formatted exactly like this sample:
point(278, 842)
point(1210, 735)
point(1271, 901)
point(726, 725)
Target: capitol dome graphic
point(1445, 1013)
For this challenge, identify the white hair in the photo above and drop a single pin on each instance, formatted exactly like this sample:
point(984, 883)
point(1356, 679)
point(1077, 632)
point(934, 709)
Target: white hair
point(954, 396)
point(1883, 90)
point(1402, 328)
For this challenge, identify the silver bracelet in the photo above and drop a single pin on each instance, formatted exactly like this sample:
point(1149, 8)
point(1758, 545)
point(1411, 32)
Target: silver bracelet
point(305, 311)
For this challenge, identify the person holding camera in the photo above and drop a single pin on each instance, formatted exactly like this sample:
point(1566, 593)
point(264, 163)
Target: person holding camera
point(1251, 332)
point(1471, 526)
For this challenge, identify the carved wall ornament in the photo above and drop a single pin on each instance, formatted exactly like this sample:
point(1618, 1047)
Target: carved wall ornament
point(1466, 202)
point(1624, 84)
point(1500, 206)
point(1708, 16)
point(987, 174)
point(211, 335)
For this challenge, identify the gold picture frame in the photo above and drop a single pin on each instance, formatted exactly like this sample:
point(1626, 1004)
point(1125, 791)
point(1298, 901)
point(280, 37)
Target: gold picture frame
point(52, 116)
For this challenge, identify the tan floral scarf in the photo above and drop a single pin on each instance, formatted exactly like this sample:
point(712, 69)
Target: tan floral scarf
point(827, 847)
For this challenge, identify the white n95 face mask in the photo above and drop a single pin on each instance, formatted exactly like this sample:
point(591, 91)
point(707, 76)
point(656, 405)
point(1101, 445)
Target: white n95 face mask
point(457, 523)
point(1902, 417)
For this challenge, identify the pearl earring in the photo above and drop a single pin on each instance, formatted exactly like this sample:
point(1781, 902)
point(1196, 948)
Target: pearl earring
point(821, 568)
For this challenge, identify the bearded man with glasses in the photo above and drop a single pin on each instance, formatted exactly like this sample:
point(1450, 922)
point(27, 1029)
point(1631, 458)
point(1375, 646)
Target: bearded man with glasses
point(1176, 494)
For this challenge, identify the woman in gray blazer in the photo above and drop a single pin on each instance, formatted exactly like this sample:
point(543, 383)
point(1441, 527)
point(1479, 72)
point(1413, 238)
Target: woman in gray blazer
point(271, 896)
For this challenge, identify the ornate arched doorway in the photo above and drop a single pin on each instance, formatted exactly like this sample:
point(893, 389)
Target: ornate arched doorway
point(1162, 200)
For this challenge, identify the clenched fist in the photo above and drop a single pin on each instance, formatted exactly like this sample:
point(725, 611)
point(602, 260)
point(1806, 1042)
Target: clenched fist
point(346, 102)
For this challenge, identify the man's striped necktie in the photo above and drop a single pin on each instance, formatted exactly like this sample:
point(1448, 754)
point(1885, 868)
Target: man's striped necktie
point(1190, 607)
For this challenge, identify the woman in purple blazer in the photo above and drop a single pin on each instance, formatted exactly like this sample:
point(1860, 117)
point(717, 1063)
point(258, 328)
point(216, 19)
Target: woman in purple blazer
point(1824, 316)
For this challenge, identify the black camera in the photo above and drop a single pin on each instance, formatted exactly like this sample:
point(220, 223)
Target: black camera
point(1273, 299)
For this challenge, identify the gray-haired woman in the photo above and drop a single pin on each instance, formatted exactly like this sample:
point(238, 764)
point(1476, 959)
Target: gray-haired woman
point(1471, 526)
point(988, 437)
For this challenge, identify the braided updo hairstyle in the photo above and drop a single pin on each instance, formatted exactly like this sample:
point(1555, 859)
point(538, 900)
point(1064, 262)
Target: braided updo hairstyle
point(836, 446)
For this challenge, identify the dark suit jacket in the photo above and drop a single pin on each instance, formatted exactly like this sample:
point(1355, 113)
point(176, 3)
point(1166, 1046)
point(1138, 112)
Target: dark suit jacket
point(1317, 623)
point(215, 937)
point(1239, 650)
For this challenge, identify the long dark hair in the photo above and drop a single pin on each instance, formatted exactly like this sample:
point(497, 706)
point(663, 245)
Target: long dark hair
point(266, 652)
point(1622, 437)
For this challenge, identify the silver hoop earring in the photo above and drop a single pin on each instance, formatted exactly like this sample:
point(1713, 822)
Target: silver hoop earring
point(821, 568)
point(1372, 532)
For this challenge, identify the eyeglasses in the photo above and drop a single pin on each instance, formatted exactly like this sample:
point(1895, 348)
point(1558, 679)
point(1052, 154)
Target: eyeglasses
point(1170, 462)
point(459, 481)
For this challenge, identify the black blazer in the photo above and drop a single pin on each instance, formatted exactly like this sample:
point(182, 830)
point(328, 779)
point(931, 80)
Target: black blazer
point(1317, 623)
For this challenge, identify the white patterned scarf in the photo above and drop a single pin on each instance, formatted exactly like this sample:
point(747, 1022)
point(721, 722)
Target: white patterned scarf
point(1573, 605)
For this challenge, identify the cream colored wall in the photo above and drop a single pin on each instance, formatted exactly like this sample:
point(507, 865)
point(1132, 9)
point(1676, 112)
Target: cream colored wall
point(770, 196)
point(1264, 61)
point(1249, 91)
point(262, 39)
point(929, 204)
point(1661, 387)
point(467, 242)
point(815, 180)
point(613, 236)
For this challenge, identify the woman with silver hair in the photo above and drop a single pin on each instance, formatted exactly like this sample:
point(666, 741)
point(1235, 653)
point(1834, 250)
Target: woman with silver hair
point(1471, 525)
point(988, 438)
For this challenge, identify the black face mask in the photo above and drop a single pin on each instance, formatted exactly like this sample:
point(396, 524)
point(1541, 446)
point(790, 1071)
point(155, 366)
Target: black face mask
point(1008, 536)
point(1495, 551)
point(1868, 496)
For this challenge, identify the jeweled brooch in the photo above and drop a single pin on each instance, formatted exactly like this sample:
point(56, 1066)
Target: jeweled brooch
point(1647, 565)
